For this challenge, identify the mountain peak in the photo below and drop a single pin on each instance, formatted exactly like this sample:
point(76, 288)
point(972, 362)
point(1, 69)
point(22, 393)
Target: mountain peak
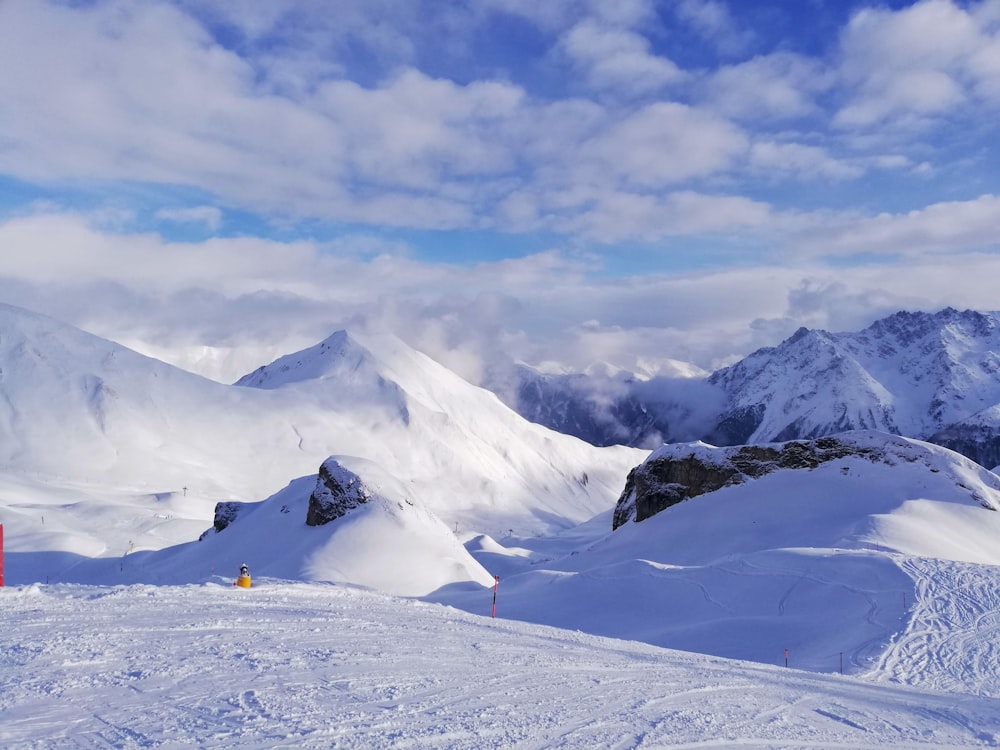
point(335, 355)
point(907, 326)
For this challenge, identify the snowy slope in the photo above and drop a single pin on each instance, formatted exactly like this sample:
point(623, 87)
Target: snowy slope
point(74, 407)
point(104, 451)
point(390, 543)
point(319, 666)
point(805, 559)
point(472, 459)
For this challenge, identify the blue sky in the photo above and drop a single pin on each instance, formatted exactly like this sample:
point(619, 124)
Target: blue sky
point(562, 182)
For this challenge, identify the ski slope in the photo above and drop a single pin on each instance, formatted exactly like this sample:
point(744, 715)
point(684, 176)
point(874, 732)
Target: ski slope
point(319, 666)
point(952, 640)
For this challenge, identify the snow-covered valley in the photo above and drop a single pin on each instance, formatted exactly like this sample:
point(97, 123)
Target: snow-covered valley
point(870, 555)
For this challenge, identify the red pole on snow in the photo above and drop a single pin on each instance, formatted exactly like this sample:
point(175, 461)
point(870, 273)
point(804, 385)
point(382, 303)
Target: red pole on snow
point(786, 657)
point(1, 554)
point(496, 582)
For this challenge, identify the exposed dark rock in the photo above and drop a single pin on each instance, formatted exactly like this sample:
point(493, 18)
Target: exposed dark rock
point(225, 513)
point(665, 480)
point(337, 492)
point(661, 482)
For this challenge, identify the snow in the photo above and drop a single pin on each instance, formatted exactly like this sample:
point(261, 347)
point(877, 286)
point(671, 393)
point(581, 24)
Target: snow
point(107, 452)
point(319, 666)
point(122, 628)
point(910, 373)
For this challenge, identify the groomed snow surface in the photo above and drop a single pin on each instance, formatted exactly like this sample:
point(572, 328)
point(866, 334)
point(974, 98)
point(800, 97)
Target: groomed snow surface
point(329, 666)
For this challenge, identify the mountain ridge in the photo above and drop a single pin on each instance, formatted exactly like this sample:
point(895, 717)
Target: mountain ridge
point(911, 373)
point(107, 451)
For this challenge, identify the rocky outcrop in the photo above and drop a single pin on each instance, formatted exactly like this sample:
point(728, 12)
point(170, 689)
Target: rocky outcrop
point(679, 472)
point(337, 492)
point(225, 513)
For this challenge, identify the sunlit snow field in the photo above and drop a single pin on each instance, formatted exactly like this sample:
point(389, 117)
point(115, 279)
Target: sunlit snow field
point(316, 665)
point(121, 627)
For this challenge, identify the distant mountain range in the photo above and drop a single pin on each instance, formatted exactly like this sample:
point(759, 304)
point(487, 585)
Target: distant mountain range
point(933, 376)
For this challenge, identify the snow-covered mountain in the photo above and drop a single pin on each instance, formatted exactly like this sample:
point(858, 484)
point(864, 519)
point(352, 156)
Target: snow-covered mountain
point(104, 451)
point(910, 374)
point(913, 374)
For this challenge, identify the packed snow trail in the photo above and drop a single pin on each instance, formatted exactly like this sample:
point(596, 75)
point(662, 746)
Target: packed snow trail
point(313, 665)
point(952, 639)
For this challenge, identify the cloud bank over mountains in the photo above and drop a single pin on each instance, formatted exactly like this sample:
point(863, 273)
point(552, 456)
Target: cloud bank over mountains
point(563, 182)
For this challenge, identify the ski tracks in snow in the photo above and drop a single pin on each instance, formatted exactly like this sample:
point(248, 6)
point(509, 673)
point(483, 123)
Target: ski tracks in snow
point(952, 639)
point(321, 666)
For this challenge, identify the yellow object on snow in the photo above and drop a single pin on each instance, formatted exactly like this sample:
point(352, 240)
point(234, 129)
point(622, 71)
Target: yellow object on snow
point(243, 581)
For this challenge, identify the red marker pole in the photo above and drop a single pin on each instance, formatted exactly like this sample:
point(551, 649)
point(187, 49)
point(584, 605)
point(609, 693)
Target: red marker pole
point(786, 657)
point(496, 582)
point(1, 554)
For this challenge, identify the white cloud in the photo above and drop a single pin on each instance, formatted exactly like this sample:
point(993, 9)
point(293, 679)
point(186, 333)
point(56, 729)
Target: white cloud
point(923, 60)
point(415, 131)
point(777, 86)
point(807, 162)
point(954, 226)
point(227, 305)
point(618, 59)
point(286, 121)
point(915, 92)
point(554, 15)
point(663, 144)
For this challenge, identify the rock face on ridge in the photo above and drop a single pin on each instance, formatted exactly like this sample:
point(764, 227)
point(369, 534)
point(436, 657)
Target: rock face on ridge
point(675, 473)
point(226, 512)
point(337, 492)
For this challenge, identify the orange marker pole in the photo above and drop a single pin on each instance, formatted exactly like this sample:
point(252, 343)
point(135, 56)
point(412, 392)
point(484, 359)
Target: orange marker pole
point(496, 582)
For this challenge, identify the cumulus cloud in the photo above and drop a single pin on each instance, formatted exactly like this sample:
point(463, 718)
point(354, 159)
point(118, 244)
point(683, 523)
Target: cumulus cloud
point(555, 15)
point(620, 215)
point(663, 144)
point(777, 86)
point(156, 98)
point(223, 307)
point(617, 59)
point(918, 61)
